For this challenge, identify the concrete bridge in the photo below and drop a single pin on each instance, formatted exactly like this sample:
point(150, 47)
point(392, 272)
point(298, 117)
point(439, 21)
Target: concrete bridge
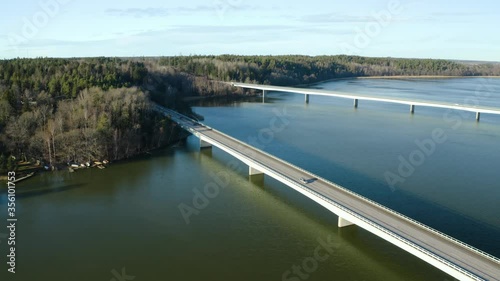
point(357, 97)
point(454, 257)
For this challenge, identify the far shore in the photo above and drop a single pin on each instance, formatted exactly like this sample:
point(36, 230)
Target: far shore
point(197, 98)
point(395, 77)
point(421, 77)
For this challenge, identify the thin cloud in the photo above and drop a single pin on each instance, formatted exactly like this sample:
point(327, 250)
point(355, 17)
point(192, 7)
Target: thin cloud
point(138, 12)
point(162, 12)
point(338, 18)
point(190, 34)
point(325, 18)
point(229, 28)
point(216, 6)
point(458, 14)
point(37, 43)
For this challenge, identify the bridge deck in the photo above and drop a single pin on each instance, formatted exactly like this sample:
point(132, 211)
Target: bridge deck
point(416, 234)
point(320, 92)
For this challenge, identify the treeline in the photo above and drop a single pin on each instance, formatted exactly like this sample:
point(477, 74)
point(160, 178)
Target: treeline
point(295, 70)
point(24, 81)
point(168, 83)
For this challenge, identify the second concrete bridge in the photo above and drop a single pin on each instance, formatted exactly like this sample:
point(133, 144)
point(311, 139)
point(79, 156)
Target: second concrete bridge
point(357, 97)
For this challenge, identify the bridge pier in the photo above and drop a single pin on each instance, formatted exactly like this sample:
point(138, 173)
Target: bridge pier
point(478, 116)
point(264, 92)
point(355, 103)
point(412, 108)
point(257, 179)
point(205, 144)
point(343, 222)
point(253, 171)
point(307, 98)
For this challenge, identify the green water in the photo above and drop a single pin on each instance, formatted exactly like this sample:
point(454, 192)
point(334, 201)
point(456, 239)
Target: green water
point(91, 223)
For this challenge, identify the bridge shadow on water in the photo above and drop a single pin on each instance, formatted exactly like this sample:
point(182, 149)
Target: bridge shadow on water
point(467, 229)
point(478, 234)
point(289, 207)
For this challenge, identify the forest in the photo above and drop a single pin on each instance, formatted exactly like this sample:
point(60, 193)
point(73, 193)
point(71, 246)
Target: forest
point(84, 109)
point(295, 70)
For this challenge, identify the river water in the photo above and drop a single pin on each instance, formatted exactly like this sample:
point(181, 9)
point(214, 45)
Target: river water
point(125, 221)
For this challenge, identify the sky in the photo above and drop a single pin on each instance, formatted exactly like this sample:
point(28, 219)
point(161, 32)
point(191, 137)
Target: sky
point(462, 30)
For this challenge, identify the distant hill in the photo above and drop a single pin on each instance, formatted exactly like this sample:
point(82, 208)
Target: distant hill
point(296, 69)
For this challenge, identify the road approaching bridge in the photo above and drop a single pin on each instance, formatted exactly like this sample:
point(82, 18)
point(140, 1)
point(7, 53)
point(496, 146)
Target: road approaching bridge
point(357, 97)
point(454, 257)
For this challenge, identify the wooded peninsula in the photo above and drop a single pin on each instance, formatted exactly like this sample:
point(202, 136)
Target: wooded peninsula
point(58, 111)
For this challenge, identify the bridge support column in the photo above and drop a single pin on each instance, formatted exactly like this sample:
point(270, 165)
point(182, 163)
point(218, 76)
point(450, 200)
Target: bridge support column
point(412, 109)
point(264, 93)
point(307, 98)
point(478, 116)
point(252, 171)
point(204, 144)
point(356, 103)
point(343, 222)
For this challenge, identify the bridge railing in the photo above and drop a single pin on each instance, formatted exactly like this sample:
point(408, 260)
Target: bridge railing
point(434, 231)
point(355, 214)
point(425, 103)
point(430, 229)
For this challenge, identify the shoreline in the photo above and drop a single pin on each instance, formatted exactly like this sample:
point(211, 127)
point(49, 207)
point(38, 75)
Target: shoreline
point(198, 98)
point(422, 77)
point(394, 77)
point(181, 137)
